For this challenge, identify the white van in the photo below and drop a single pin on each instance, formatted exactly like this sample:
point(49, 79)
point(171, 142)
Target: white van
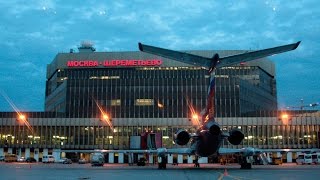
point(97, 159)
point(304, 159)
point(316, 158)
point(48, 159)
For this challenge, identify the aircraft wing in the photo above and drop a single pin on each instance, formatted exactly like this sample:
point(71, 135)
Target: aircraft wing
point(187, 151)
point(159, 151)
point(229, 151)
point(176, 55)
point(249, 56)
point(224, 61)
point(139, 151)
point(249, 151)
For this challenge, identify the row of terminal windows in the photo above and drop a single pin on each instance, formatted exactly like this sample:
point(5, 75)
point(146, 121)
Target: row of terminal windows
point(265, 135)
point(128, 73)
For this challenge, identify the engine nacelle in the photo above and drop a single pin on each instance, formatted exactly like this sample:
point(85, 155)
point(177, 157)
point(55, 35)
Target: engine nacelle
point(213, 128)
point(181, 137)
point(235, 137)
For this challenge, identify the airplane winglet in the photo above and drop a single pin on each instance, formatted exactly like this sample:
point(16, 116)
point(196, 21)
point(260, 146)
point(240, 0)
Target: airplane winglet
point(140, 46)
point(297, 44)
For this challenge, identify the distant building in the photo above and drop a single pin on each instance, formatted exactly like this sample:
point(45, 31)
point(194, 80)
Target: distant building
point(128, 83)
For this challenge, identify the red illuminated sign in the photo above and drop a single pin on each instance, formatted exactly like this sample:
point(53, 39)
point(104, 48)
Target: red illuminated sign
point(113, 63)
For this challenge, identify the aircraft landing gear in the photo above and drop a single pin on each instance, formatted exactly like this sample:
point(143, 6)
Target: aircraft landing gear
point(162, 164)
point(246, 163)
point(196, 163)
point(246, 166)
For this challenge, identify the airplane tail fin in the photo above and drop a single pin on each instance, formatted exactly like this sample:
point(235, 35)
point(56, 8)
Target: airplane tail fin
point(210, 107)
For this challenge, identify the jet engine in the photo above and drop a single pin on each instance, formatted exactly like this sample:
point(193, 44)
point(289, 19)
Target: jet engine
point(235, 137)
point(181, 137)
point(213, 128)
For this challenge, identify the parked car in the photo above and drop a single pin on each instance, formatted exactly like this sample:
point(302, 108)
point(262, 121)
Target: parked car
point(48, 159)
point(10, 158)
point(21, 159)
point(67, 161)
point(82, 161)
point(1, 158)
point(97, 159)
point(62, 160)
point(31, 160)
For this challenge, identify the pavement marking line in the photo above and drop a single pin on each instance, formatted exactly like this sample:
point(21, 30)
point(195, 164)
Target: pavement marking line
point(224, 174)
point(238, 177)
point(220, 177)
point(218, 173)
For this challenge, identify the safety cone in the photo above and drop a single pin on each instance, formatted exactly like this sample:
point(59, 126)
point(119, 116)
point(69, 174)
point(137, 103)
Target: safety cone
point(225, 172)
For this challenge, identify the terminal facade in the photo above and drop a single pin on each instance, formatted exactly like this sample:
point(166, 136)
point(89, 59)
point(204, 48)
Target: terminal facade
point(145, 93)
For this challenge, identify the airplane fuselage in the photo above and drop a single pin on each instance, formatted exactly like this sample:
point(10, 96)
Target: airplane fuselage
point(207, 144)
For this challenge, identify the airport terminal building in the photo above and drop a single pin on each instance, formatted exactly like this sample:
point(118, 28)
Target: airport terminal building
point(145, 93)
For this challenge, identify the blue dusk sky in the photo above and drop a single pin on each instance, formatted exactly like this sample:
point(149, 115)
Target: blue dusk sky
point(33, 32)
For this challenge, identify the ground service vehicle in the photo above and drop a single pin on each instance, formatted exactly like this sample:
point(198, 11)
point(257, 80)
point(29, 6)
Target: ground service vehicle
point(304, 159)
point(48, 159)
point(10, 158)
point(276, 161)
point(142, 162)
point(316, 158)
point(97, 159)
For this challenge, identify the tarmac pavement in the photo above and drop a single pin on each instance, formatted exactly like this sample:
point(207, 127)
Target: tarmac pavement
point(151, 172)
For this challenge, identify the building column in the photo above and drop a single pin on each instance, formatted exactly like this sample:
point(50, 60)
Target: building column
point(1, 151)
point(9, 150)
point(36, 154)
point(56, 154)
point(150, 158)
point(289, 157)
point(120, 158)
point(19, 152)
point(170, 159)
point(203, 160)
point(45, 152)
point(190, 159)
point(180, 158)
point(27, 153)
point(130, 158)
point(111, 157)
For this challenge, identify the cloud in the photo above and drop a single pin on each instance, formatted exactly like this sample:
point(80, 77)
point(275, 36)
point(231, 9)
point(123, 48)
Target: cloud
point(125, 18)
point(40, 36)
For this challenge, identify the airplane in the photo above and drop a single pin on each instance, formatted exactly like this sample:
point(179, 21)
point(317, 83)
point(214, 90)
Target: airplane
point(209, 137)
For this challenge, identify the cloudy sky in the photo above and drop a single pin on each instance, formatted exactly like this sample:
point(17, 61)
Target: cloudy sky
point(33, 32)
